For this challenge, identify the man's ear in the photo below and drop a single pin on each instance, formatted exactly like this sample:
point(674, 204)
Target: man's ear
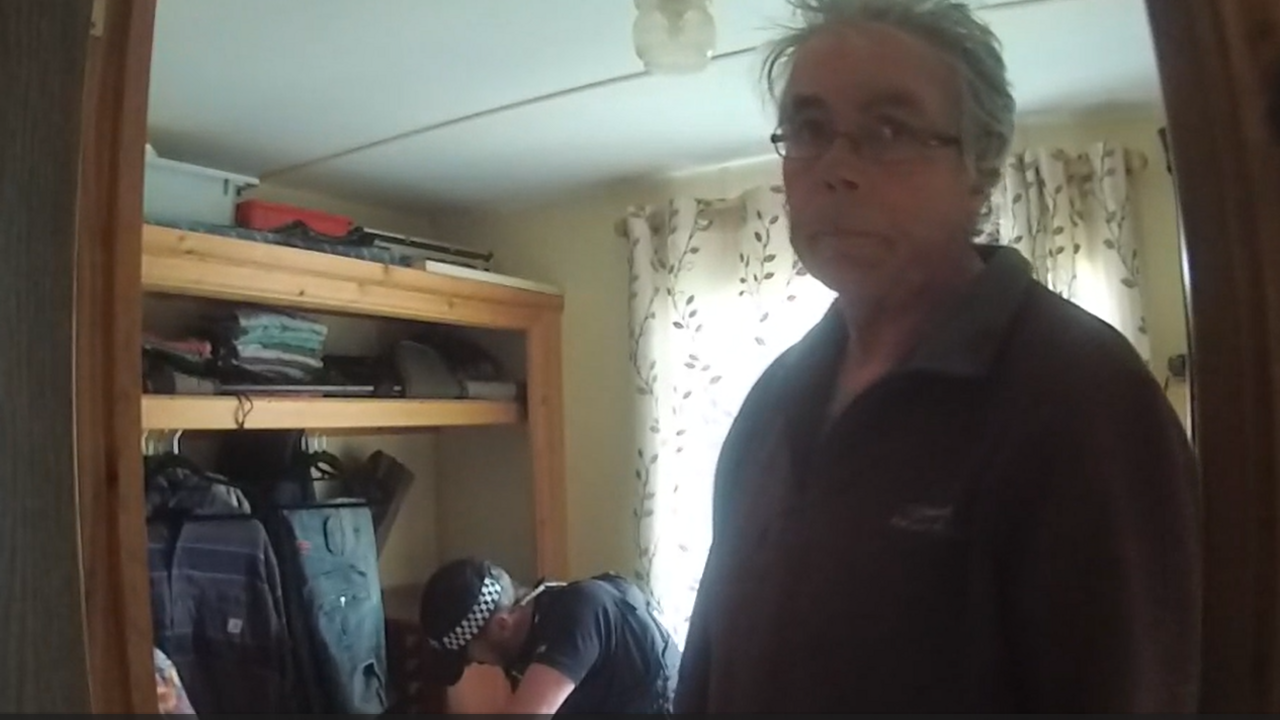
point(979, 195)
point(501, 622)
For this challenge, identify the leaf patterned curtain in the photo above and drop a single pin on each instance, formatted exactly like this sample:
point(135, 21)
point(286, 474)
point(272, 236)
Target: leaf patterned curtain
point(716, 295)
point(1072, 216)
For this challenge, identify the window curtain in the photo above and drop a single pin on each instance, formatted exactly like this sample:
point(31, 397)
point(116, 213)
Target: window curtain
point(716, 294)
point(1072, 216)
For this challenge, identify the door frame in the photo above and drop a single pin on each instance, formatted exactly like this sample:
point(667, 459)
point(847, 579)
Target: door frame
point(1220, 68)
point(108, 367)
point(1218, 63)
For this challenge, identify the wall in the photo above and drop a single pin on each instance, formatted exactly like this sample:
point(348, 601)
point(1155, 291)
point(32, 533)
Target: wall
point(571, 243)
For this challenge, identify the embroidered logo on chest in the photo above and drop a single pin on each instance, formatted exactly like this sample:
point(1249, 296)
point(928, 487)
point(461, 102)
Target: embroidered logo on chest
point(923, 519)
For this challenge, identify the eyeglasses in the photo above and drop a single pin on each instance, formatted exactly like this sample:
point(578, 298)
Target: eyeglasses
point(882, 141)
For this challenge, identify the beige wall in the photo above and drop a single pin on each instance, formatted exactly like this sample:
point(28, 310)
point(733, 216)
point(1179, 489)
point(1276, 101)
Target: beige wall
point(571, 243)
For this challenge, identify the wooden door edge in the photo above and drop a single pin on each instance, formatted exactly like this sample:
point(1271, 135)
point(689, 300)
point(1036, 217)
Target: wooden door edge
point(1218, 62)
point(108, 288)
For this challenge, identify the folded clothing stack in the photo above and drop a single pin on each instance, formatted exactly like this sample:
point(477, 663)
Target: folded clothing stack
point(177, 366)
point(189, 355)
point(274, 346)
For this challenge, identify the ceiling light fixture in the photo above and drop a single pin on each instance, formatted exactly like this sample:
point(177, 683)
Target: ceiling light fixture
point(674, 36)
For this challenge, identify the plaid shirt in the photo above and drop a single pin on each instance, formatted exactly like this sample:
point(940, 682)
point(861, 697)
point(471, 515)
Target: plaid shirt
point(217, 607)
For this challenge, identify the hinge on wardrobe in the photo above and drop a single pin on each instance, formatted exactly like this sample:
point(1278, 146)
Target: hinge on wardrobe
point(98, 17)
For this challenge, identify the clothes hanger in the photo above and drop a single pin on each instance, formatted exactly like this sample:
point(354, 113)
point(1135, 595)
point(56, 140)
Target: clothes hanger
point(159, 458)
point(318, 458)
point(173, 459)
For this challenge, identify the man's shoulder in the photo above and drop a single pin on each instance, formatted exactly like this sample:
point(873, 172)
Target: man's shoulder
point(1059, 352)
point(1066, 335)
point(581, 596)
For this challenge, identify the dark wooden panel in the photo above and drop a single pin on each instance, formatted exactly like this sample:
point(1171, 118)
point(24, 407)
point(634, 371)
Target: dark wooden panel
point(1218, 63)
point(42, 643)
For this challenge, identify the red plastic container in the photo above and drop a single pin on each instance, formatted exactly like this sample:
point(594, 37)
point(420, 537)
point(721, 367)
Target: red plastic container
point(268, 216)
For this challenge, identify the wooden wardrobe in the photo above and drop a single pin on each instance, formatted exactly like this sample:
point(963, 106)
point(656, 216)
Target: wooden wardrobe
point(123, 264)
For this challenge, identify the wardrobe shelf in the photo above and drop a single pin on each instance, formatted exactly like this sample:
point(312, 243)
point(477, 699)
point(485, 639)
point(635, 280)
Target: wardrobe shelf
point(180, 262)
point(219, 412)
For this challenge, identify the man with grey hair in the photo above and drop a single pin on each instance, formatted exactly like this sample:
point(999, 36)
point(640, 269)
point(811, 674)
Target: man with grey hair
point(959, 492)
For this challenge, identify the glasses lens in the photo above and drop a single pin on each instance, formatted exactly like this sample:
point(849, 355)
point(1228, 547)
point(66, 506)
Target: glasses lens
point(779, 143)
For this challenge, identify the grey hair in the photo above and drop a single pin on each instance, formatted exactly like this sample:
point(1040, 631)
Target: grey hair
point(510, 589)
point(987, 107)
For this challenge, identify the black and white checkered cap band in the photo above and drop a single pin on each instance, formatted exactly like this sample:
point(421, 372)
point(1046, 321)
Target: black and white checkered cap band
point(473, 623)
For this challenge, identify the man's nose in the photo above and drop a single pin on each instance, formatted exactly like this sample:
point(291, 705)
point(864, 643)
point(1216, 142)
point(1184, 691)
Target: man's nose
point(840, 167)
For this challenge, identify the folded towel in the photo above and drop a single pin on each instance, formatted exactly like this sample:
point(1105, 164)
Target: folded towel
point(249, 318)
point(304, 342)
point(259, 352)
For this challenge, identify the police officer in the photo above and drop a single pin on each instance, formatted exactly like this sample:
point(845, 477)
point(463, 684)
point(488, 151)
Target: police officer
point(593, 645)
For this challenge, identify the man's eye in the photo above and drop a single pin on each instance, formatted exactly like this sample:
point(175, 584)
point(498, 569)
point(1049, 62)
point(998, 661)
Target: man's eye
point(808, 131)
point(887, 129)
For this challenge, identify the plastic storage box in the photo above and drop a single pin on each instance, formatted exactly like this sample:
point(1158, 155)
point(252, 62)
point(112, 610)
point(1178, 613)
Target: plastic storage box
point(179, 192)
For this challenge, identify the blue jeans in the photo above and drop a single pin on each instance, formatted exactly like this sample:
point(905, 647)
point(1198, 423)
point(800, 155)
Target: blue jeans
point(341, 599)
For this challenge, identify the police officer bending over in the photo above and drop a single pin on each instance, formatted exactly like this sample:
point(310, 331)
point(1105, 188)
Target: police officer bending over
point(593, 645)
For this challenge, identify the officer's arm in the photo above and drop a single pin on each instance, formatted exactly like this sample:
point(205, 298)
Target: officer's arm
point(542, 691)
point(570, 646)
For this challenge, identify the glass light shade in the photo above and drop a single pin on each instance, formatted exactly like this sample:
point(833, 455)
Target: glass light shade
point(674, 36)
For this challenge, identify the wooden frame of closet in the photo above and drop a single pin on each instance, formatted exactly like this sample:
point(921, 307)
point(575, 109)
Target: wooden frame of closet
point(119, 258)
point(199, 265)
point(192, 264)
point(1219, 63)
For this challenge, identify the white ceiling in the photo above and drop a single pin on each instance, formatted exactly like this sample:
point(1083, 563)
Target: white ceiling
point(284, 89)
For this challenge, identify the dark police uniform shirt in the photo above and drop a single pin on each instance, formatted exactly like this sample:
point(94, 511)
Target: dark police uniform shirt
point(618, 656)
point(1008, 522)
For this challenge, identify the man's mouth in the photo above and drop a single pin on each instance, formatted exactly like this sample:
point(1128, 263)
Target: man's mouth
point(839, 236)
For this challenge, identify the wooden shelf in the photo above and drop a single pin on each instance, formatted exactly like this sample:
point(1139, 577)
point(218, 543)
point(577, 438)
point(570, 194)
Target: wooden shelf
point(200, 265)
point(197, 412)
